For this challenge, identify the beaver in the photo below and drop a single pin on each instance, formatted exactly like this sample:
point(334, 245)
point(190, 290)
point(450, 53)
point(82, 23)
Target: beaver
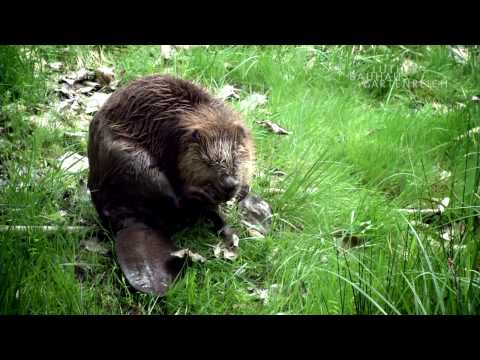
point(163, 152)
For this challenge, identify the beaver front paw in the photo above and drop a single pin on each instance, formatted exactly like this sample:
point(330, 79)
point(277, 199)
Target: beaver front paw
point(194, 194)
point(229, 237)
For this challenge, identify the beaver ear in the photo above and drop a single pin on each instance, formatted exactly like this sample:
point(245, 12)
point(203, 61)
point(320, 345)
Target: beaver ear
point(241, 132)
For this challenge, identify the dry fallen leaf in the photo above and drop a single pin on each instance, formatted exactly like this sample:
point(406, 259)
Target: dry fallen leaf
point(440, 107)
point(420, 211)
point(167, 51)
point(188, 254)
point(93, 245)
point(56, 65)
point(264, 294)
point(113, 85)
point(236, 241)
point(444, 175)
point(227, 92)
point(104, 75)
point(221, 250)
point(217, 250)
point(85, 89)
point(447, 234)
point(78, 76)
point(261, 294)
point(273, 127)
point(252, 224)
point(274, 191)
point(409, 67)
point(75, 88)
point(256, 213)
point(68, 105)
point(435, 211)
point(252, 102)
point(255, 233)
point(460, 54)
point(452, 230)
point(311, 63)
point(73, 162)
point(95, 102)
point(42, 120)
point(65, 91)
point(443, 204)
point(93, 84)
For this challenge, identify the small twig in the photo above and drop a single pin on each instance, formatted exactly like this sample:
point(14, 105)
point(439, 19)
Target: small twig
point(420, 211)
point(22, 228)
point(290, 224)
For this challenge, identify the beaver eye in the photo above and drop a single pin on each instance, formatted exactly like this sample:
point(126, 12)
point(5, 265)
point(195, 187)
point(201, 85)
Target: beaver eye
point(208, 162)
point(196, 136)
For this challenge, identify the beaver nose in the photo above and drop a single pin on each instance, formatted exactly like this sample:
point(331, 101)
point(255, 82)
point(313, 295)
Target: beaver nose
point(230, 184)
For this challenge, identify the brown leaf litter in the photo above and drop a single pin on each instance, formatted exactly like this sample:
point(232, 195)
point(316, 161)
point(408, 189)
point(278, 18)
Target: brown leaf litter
point(188, 254)
point(104, 75)
point(86, 88)
point(95, 246)
point(221, 250)
point(265, 294)
point(227, 91)
point(431, 211)
point(57, 66)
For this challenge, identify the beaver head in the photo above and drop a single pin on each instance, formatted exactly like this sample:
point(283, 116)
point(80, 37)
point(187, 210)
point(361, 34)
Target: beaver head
point(216, 154)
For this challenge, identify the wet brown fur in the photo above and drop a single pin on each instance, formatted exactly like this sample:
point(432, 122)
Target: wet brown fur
point(227, 147)
point(178, 134)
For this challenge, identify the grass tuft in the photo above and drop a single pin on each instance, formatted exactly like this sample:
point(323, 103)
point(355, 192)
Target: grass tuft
point(375, 130)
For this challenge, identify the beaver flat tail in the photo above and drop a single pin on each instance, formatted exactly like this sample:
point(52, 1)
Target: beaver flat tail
point(144, 255)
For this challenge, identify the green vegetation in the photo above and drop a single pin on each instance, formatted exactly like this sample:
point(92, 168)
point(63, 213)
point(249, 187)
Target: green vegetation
point(375, 129)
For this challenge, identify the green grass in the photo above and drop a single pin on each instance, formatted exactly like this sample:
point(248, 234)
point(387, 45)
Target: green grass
point(357, 154)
